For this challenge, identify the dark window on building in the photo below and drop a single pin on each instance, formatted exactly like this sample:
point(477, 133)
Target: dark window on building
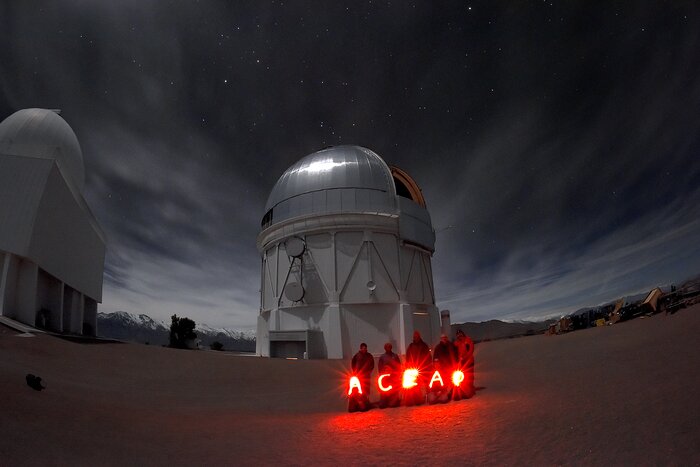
point(267, 219)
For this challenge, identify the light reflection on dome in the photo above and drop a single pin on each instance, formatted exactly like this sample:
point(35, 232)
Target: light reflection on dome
point(323, 166)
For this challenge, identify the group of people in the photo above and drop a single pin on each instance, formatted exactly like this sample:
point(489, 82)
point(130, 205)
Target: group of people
point(447, 356)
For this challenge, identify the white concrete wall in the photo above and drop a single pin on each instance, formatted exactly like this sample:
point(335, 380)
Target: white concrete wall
point(301, 318)
point(26, 299)
point(76, 313)
point(4, 268)
point(336, 271)
point(90, 317)
point(25, 289)
point(66, 242)
point(50, 297)
point(445, 323)
point(69, 299)
point(332, 333)
point(262, 335)
point(10, 277)
point(374, 324)
point(22, 182)
point(336, 268)
point(46, 225)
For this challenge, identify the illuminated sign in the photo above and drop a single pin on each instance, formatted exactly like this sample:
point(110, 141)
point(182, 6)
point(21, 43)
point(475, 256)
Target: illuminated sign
point(436, 379)
point(354, 384)
point(381, 386)
point(410, 381)
point(410, 378)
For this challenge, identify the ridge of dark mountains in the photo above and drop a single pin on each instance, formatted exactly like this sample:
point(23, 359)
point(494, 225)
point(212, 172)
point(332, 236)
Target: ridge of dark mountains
point(496, 329)
point(145, 330)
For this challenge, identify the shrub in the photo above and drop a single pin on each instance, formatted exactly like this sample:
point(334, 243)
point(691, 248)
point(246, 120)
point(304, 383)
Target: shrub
point(181, 330)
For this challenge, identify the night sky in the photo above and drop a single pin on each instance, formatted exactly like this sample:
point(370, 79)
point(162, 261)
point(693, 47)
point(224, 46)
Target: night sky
point(557, 145)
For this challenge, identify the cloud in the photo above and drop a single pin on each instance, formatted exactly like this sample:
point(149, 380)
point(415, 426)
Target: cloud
point(555, 145)
point(657, 249)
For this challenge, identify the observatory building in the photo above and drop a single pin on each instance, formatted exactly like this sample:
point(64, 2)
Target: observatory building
point(346, 244)
point(51, 248)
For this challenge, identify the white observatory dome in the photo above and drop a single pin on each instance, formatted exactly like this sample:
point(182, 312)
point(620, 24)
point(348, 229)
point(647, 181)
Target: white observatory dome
point(43, 133)
point(346, 245)
point(335, 179)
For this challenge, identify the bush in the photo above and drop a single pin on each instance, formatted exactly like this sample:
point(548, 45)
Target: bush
point(181, 330)
point(216, 345)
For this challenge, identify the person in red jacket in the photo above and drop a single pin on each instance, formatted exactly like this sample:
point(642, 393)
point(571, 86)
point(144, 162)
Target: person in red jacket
point(465, 352)
point(418, 353)
point(389, 364)
point(362, 367)
point(445, 362)
point(418, 357)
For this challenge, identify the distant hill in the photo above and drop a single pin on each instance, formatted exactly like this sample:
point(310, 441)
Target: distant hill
point(496, 329)
point(145, 330)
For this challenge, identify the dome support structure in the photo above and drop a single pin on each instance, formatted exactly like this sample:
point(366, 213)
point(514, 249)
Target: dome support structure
point(353, 238)
point(52, 249)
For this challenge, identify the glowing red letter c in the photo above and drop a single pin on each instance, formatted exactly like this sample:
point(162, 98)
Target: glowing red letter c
point(381, 386)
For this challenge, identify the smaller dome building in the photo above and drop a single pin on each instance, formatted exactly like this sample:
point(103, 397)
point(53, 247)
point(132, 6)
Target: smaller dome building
point(43, 133)
point(51, 247)
point(346, 244)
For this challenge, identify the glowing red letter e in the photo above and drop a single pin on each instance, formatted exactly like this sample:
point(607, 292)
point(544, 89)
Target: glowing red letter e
point(410, 377)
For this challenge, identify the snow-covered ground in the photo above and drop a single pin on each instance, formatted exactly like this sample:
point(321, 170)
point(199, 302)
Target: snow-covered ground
point(616, 395)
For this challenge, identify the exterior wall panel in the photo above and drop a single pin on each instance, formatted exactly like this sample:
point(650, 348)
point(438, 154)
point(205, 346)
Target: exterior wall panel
point(10, 273)
point(320, 249)
point(46, 228)
point(347, 249)
point(90, 317)
point(22, 182)
point(65, 242)
point(50, 297)
point(26, 300)
point(373, 324)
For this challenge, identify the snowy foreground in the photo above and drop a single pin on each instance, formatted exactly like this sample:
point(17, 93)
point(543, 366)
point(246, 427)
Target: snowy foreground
point(620, 395)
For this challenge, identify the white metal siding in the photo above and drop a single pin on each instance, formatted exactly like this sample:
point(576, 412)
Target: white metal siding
point(64, 242)
point(22, 181)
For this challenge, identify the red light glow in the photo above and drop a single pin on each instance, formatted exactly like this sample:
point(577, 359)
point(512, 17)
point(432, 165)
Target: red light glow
point(354, 384)
point(436, 378)
point(410, 378)
point(381, 386)
point(457, 378)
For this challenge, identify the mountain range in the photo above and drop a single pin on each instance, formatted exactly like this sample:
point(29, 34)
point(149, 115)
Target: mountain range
point(496, 329)
point(145, 330)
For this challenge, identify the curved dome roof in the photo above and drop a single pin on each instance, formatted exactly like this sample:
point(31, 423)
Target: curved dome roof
point(339, 179)
point(332, 168)
point(43, 133)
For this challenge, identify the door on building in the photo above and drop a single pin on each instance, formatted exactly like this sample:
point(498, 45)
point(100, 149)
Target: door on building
point(422, 324)
point(287, 349)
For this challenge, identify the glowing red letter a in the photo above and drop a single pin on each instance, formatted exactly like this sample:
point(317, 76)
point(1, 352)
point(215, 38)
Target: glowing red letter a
point(354, 384)
point(436, 377)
